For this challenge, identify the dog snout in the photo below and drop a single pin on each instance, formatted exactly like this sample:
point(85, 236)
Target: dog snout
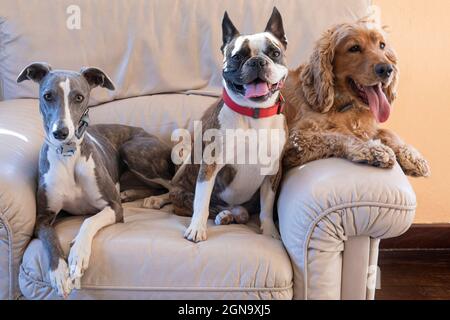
point(383, 70)
point(257, 62)
point(61, 133)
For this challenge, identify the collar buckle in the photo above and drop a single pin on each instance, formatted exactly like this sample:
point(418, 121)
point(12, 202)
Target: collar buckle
point(67, 149)
point(256, 113)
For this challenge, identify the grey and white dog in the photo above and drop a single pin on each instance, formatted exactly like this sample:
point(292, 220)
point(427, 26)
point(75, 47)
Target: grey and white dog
point(80, 166)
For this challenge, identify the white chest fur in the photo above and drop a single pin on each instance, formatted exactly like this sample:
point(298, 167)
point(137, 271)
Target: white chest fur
point(270, 136)
point(71, 184)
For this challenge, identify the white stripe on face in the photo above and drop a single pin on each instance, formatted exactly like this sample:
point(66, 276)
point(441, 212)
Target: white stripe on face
point(237, 45)
point(65, 86)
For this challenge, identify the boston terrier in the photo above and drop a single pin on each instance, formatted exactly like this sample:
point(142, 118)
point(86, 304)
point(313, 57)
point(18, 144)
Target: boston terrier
point(254, 71)
point(80, 166)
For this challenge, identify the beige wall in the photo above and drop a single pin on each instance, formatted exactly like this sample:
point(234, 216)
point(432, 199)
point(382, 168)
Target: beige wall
point(420, 33)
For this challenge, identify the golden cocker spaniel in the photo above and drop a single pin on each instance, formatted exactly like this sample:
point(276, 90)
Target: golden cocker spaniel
point(335, 102)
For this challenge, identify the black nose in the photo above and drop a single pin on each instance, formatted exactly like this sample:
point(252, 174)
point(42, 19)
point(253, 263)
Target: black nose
point(61, 133)
point(257, 62)
point(383, 70)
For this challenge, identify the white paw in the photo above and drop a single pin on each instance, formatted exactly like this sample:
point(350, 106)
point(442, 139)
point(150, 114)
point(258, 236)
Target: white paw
point(269, 229)
point(223, 218)
point(196, 232)
point(79, 259)
point(59, 279)
point(154, 202)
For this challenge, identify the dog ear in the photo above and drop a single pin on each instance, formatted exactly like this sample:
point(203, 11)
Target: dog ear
point(229, 31)
point(35, 72)
point(391, 90)
point(96, 77)
point(275, 27)
point(317, 76)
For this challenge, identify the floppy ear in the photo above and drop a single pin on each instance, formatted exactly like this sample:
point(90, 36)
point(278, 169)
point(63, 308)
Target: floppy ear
point(96, 77)
point(391, 90)
point(229, 31)
point(275, 27)
point(35, 72)
point(317, 76)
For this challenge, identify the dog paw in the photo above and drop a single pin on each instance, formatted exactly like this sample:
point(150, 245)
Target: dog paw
point(60, 280)
point(376, 154)
point(154, 202)
point(268, 228)
point(224, 217)
point(126, 196)
point(413, 163)
point(79, 256)
point(196, 232)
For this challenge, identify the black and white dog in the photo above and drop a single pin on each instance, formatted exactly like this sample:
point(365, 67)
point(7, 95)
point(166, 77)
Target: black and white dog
point(254, 71)
point(80, 166)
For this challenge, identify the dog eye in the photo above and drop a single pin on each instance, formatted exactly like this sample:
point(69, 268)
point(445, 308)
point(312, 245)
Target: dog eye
point(79, 98)
point(382, 45)
point(48, 96)
point(276, 53)
point(355, 48)
point(237, 57)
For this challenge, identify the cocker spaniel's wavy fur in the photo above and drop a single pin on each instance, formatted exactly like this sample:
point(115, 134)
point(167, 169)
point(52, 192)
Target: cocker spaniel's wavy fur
point(335, 102)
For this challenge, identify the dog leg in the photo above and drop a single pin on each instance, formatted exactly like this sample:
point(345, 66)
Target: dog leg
point(80, 251)
point(59, 271)
point(305, 147)
point(267, 192)
point(224, 217)
point(135, 194)
point(411, 161)
point(156, 202)
point(196, 231)
point(237, 214)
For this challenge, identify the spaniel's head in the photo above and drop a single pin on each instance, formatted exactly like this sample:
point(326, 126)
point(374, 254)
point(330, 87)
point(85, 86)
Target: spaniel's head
point(352, 63)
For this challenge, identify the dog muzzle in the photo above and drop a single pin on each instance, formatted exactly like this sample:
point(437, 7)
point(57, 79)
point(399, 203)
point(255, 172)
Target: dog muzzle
point(69, 149)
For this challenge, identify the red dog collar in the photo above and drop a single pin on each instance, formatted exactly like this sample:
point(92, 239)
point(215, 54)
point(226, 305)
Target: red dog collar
point(255, 113)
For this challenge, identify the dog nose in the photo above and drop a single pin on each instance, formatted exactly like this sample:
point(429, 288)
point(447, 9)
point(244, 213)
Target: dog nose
point(383, 70)
point(61, 133)
point(258, 62)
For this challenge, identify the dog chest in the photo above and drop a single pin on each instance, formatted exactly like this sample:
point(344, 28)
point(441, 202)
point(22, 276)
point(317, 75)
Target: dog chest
point(71, 184)
point(257, 145)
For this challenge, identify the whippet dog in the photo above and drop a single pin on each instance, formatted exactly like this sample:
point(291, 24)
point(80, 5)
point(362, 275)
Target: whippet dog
point(80, 166)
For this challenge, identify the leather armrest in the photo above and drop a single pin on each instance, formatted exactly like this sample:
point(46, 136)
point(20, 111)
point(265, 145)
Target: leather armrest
point(21, 136)
point(325, 202)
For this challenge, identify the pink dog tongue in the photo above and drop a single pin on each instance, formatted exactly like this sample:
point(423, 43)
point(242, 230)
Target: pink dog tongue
point(254, 90)
point(378, 103)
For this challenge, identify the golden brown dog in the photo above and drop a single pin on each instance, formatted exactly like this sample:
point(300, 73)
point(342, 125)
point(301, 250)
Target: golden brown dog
point(336, 101)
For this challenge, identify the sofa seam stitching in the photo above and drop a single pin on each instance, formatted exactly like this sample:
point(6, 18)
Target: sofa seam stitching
point(26, 275)
point(330, 210)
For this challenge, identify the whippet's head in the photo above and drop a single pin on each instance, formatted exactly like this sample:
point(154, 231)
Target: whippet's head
point(63, 97)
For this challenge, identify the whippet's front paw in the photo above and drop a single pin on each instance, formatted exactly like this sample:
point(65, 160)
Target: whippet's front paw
point(376, 154)
point(196, 232)
point(60, 280)
point(268, 228)
point(79, 256)
point(155, 202)
point(127, 196)
point(412, 162)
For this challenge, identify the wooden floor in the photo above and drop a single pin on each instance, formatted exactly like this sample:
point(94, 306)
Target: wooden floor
point(414, 275)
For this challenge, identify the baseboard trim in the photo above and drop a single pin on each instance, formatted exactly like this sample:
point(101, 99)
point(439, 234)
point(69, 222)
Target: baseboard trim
point(421, 236)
